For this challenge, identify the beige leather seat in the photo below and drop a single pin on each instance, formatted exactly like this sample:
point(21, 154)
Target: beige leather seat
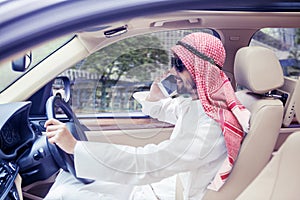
point(258, 71)
point(280, 178)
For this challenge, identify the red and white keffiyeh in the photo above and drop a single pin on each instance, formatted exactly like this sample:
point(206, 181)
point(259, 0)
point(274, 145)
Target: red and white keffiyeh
point(215, 93)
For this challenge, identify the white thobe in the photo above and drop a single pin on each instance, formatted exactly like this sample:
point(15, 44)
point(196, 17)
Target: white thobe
point(195, 151)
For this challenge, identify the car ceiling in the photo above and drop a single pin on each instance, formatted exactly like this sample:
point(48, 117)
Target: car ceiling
point(218, 20)
point(44, 21)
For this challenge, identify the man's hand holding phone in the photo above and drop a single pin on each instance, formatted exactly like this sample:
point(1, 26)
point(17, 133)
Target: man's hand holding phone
point(162, 88)
point(168, 85)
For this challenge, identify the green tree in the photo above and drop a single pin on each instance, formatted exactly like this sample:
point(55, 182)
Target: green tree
point(298, 36)
point(115, 60)
point(134, 57)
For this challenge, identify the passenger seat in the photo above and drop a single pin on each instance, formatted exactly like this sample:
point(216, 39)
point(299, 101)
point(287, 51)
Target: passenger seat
point(280, 178)
point(258, 71)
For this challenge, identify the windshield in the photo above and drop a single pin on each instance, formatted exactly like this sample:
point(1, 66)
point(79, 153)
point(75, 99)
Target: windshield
point(8, 76)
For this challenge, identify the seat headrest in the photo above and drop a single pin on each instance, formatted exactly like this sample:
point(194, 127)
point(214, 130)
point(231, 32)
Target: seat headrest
point(258, 69)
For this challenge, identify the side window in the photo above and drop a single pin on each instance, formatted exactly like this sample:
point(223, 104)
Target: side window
point(285, 42)
point(105, 81)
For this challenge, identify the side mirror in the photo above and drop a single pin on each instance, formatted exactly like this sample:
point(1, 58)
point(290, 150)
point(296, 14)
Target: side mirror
point(21, 64)
point(61, 87)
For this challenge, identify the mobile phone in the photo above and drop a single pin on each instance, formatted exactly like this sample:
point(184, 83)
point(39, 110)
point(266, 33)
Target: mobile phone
point(168, 85)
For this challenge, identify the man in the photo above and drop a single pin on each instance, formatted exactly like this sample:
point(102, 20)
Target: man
point(209, 127)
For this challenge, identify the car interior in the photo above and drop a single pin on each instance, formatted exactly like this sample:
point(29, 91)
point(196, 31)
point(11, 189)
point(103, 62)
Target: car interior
point(267, 164)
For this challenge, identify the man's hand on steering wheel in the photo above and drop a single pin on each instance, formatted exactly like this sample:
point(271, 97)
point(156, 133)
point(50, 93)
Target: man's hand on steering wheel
point(58, 133)
point(64, 135)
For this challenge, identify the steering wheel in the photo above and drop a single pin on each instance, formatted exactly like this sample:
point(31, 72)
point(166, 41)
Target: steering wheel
point(63, 159)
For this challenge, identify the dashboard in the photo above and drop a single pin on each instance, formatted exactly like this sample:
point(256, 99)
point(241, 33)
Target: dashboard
point(15, 131)
point(23, 149)
point(9, 138)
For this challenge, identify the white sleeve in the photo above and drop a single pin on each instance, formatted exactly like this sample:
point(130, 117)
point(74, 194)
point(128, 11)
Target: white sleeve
point(151, 163)
point(164, 110)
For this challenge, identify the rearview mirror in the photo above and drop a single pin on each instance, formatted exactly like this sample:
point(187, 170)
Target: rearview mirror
point(22, 64)
point(61, 87)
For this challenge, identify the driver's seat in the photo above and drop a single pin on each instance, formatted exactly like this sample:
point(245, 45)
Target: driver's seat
point(258, 71)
